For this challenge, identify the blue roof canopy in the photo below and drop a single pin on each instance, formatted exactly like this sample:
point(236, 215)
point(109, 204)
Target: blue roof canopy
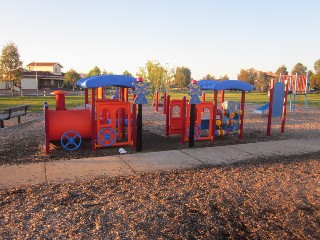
point(224, 85)
point(107, 80)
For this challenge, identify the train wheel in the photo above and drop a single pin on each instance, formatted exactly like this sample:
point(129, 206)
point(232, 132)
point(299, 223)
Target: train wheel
point(107, 137)
point(71, 140)
point(197, 132)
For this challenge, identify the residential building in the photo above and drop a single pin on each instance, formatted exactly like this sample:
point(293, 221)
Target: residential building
point(42, 76)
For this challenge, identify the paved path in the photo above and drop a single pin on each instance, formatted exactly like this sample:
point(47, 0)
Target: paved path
point(79, 169)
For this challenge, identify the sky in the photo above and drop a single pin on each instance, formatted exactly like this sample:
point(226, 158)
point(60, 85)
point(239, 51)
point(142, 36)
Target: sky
point(207, 36)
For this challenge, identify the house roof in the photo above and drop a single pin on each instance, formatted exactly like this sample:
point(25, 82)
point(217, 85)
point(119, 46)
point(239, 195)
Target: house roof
point(43, 64)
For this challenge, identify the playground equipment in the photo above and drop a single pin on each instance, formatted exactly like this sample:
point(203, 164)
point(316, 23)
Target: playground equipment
point(298, 85)
point(210, 121)
point(277, 105)
point(107, 122)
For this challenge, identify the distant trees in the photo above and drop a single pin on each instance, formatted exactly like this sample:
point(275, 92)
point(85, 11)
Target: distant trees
point(127, 73)
point(10, 65)
point(248, 76)
point(262, 82)
point(71, 77)
point(299, 69)
point(94, 72)
point(281, 70)
point(209, 77)
point(225, 77)
point(154, 73)
point(158, 76)
point(315, 78)
point(182, 77)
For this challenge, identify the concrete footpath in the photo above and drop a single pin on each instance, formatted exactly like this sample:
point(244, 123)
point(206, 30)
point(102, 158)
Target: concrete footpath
point(122, 165)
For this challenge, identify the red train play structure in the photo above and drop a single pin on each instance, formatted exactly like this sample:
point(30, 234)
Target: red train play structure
point(106, 122)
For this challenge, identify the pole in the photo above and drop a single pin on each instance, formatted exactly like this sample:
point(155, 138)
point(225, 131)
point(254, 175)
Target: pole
point(46, 125)
point(222, 98)
point(214, 123)
point(164, 102)
point(93, 120)
point(183, 115)
point(284, 109)
point(157, 101)
point(242, 115)
point(139, 129)
point(270, 107)
point(192, 123)
point(168, 116)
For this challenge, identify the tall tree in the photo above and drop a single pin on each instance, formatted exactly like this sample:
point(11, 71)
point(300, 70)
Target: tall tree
point(262, 82)
point(317, 66)
point(154, 73)
point(209, 77)
point(182, 77)
point(10, 65)
point(281, 70)
point(315, 81)
point(315, 77)
point(300, 69)
point(248, 76)
point(94, 72)
point(71, 77)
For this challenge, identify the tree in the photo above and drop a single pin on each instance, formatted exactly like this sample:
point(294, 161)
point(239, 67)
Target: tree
point(182, 77)
point(154, 73)
point(248, 76)
point(10, 65)
point(127, 73)
point(209, 77)
point(225, 77)
point(315, 81)
point(71, 77)
point(299, 69)
point(281, 70)
point(94, 72)
point(262, 82)
point(317, 66)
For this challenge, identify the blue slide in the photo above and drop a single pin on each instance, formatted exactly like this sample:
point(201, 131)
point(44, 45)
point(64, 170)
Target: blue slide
point(262, 109)
point(277, 101)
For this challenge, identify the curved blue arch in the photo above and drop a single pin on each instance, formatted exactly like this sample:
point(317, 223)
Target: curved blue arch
point(224, 85)
point(107, 80)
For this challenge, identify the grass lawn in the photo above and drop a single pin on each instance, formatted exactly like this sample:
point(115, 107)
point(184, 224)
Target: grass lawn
point(36, 102)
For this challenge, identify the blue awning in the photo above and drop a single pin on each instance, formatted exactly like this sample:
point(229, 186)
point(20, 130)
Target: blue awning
point(224, 85)
point(106, 80)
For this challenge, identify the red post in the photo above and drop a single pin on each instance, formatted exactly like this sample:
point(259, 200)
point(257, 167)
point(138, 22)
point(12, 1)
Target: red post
point(215, 103)
point(183, 115)
point(134, 122)
point(127, 94)
point(86, 98)
point(46, 124)
point(157, 101)
point(168, 115)
point(164, 102)
point(203, 97)
point(270, 107)
point(93, 119)
point(243, 96)
point(284, 109)
point(222, 98)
